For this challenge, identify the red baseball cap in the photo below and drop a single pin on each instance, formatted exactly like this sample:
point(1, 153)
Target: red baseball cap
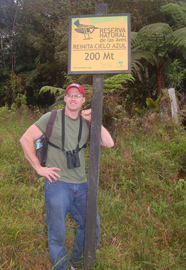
point(76, 85)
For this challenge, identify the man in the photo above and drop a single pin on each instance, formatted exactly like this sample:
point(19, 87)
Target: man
point(65, 188)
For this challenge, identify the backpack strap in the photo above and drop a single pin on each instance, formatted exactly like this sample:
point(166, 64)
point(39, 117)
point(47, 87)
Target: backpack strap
point(51, 123)
point(48, 134)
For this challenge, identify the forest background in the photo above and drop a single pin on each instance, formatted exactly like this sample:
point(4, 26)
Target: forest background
point(142, 190)
point(34, 51)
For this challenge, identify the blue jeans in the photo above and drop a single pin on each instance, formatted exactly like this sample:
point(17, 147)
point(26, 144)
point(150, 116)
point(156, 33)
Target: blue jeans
point(62, 198)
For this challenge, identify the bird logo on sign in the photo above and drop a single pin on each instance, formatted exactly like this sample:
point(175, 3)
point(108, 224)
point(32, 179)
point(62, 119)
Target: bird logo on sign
point(85, 29)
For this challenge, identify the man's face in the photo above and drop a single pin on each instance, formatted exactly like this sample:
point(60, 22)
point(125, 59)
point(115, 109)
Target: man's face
point(74, 99)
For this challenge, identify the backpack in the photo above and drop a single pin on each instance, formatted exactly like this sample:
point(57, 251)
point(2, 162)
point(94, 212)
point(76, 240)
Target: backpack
point(42, 142)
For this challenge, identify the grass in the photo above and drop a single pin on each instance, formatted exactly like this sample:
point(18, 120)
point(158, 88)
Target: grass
point(142, 199)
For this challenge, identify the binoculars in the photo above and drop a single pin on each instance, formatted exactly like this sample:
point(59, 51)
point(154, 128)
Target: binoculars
point(73, 159)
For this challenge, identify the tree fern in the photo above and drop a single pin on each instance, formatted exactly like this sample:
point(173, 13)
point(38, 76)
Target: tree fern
point(137, 55)
point(135, 40)
point(52, 90)
point(174, 14)
point(182, 4)
point(116, 81)
point(154, 35)
point(57, 92)
point(149, 44)
point(59, 98)
point(179, 41)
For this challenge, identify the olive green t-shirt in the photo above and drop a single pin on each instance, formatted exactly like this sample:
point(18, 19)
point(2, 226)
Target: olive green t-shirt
point(56, 157)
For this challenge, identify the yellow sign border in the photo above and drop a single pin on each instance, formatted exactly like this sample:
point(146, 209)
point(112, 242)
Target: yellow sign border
point(99, 44)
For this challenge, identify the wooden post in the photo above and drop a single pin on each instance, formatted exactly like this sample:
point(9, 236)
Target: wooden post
point(94, 158)
point(174, 108)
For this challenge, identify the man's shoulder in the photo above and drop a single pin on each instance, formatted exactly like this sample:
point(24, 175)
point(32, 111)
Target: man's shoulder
point(43, 121)
point(48, 114)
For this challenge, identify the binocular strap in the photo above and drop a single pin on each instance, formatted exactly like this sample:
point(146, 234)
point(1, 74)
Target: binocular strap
point(63, 135)
point(63, 131)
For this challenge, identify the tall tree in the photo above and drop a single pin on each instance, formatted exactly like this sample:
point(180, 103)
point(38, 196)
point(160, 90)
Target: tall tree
point(8, 14)
point(155, 44)
point(151, 43)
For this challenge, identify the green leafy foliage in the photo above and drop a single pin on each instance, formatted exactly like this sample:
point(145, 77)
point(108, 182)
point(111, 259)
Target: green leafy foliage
point(52, 90)
point(155, 33)
point(150, 48)
point(179, 40)
point(175, 15)
point(175, 74)
point(151, 104)
point(34, 45)
point(182, 4)
point(117, 82)
point(153, 39)
point(153, 45)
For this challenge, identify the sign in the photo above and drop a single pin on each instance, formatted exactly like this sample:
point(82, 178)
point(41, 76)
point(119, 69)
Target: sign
point(99, 44)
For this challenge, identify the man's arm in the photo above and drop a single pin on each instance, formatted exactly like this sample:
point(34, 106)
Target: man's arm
point(27, 142)
point(106, 139)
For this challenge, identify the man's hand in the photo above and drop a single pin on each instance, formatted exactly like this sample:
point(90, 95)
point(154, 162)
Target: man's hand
point(49, 173)
point(86, 114)
point(28, 144)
